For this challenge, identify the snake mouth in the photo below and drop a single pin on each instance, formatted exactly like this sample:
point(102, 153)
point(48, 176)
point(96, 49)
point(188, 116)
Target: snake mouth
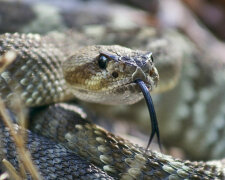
point(149, 77)
point(133, 86)
point(149, 83)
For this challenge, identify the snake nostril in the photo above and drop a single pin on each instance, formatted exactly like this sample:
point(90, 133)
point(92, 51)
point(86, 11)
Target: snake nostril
point(115, 74)
point(151, 72)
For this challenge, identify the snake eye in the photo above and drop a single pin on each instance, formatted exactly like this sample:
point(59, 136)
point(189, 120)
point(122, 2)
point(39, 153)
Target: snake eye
point(102, 61)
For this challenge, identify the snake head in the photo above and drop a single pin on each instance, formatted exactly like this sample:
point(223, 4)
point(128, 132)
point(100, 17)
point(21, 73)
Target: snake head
point(106, 74)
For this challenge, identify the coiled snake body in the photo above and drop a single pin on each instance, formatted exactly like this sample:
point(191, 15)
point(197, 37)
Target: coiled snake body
point(41, 75)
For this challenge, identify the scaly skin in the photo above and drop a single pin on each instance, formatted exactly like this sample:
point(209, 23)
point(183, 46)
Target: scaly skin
point(116, 156)
point(52, 160)
point(108, 149)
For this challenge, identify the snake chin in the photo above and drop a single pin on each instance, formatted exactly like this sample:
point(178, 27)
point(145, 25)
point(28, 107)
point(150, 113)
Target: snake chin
point(128, 93)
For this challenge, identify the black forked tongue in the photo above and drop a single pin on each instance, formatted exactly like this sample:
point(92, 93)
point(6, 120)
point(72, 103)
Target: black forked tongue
point(151, 110)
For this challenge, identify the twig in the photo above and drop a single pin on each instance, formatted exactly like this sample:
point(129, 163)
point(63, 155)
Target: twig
point(12, 171)
point(17, 132)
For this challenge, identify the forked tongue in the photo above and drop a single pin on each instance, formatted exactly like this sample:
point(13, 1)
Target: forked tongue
point(151, 110)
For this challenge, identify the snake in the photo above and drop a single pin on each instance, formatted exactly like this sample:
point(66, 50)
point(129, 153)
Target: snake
point(37, 72)
point(99, 153)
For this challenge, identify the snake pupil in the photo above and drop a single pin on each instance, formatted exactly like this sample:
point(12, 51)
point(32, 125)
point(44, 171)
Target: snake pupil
point(152, 58)
point(102, 61)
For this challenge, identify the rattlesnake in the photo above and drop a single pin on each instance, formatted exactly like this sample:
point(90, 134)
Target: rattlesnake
point(40, 63)
point(159, 166)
